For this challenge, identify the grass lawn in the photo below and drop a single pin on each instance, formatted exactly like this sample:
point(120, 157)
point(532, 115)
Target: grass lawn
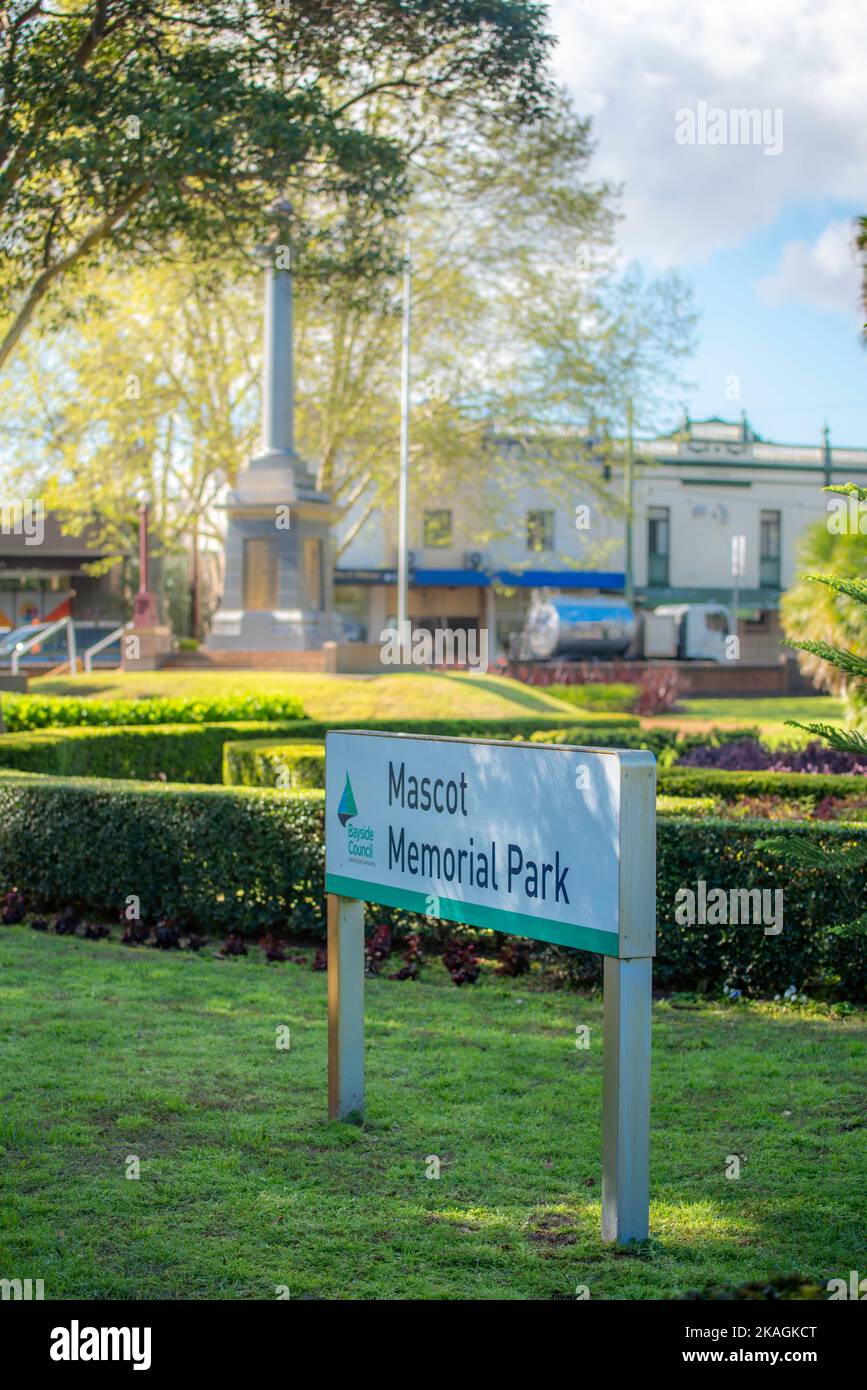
point(414, 694)
point(110, 1052)
point(419, 695)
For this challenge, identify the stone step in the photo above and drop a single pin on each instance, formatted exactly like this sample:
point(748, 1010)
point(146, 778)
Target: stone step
point(312, 661)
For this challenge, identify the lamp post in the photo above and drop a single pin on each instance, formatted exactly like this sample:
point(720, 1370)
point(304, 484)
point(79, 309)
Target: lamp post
point(629, 478)
point(739, 566)
point(144, 613)
point(402, 566)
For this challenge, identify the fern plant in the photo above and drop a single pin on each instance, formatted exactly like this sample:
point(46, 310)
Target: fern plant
point(851, 666)
point(847, 862)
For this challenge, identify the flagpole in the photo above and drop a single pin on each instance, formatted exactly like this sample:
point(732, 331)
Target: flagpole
point(402, 567)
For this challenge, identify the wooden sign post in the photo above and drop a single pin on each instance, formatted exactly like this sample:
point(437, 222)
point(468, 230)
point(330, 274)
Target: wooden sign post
point(550, 842)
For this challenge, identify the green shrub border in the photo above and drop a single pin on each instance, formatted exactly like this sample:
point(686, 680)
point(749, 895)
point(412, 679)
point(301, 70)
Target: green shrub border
point(727, 786)
point(261, 762)
point(193, 753)
point(223, 858)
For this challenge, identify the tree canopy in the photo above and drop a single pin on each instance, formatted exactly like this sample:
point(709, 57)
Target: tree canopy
point(163, 129)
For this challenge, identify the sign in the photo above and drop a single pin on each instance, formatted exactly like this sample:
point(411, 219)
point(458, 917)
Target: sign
point(553, 843)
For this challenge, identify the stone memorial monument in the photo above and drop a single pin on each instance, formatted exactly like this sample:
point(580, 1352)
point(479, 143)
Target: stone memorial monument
point(277, 591)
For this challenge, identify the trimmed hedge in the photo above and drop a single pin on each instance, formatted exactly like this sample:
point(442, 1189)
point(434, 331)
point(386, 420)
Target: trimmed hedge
point(261, 763)
point(613, 695)
point(814, 951)
point(26, 712)
point(274, 763)
point(214, 857)
point(222, 858)
point(610, 735)
point(797, 786)
point(194, 752)
point(176, 752)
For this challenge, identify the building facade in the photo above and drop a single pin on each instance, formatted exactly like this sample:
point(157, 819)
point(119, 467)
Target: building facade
point(693, 492)
point(46, 575)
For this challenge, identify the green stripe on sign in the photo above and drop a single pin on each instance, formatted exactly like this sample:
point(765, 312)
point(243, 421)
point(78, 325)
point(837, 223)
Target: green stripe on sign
point(475, 915)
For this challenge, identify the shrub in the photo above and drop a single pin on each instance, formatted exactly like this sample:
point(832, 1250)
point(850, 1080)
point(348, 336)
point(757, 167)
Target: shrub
point(218, 858)
point(811, 788)
point(608, 735)
point(814, 951)
point(25, 712)
point(194, 752)
point(241, 859)
point(172, 752)
point(658, 690)
point(274, 763)
point(751, 755)
point(616, 696)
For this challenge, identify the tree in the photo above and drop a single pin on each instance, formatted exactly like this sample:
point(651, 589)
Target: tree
point(490, 203)
point(608, 347)
point(845, 861)
point(158, 130)
point(496, 216)
point(155, 394)
point(814, 612)
point(844, 603)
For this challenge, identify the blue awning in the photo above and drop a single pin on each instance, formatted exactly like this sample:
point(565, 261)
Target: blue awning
point(482, 579)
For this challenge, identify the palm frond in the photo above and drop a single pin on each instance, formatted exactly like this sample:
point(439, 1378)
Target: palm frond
point(845, 740)
point(805, 853)
point(847, 490)
point(855, 588)
point(848, 662)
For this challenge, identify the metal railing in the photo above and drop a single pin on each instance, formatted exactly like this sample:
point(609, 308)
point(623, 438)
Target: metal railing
point(39, 637)
point(102, 643)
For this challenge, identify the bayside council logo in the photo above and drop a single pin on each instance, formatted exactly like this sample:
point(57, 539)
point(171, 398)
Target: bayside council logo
point(359, 838)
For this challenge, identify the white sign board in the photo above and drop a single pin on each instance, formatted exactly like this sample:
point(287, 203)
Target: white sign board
point(549, 842)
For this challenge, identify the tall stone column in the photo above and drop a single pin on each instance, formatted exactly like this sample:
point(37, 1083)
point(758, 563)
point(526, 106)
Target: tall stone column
point(278, 388)
point(277, 593)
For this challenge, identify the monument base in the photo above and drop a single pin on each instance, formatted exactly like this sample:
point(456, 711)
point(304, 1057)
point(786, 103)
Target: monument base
point(145, 648)
point(278, 630)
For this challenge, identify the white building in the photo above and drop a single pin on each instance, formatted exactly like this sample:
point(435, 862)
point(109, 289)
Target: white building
point(693, 491)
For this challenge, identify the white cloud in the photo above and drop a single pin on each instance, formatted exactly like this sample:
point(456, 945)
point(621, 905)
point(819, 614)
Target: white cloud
point(633, 64)
point(824, 275)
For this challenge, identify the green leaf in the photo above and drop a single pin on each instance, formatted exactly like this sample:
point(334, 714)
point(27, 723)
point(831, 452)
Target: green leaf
point(845, 740)
point(849, 662)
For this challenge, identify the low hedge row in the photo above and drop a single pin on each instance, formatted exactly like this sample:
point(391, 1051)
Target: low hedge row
point(274, 762)
point(25, 712)
point(270, 763)
point(194, 752)
point(608, 735)
point(811, 787)
point(237, 858)
point(176, 752)
point(218, 858)
point(613, 695)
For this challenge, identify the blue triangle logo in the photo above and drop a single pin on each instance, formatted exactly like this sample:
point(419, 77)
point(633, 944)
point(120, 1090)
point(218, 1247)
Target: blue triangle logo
point(347, 808)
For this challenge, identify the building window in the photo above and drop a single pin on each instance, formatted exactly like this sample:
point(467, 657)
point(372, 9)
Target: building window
point(540, 531)
point(769, 550)
point(437, 528)
point(260, 573)
point(314, 572)
point(658, 530)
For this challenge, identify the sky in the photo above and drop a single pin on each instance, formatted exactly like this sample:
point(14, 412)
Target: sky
point(758, 221)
